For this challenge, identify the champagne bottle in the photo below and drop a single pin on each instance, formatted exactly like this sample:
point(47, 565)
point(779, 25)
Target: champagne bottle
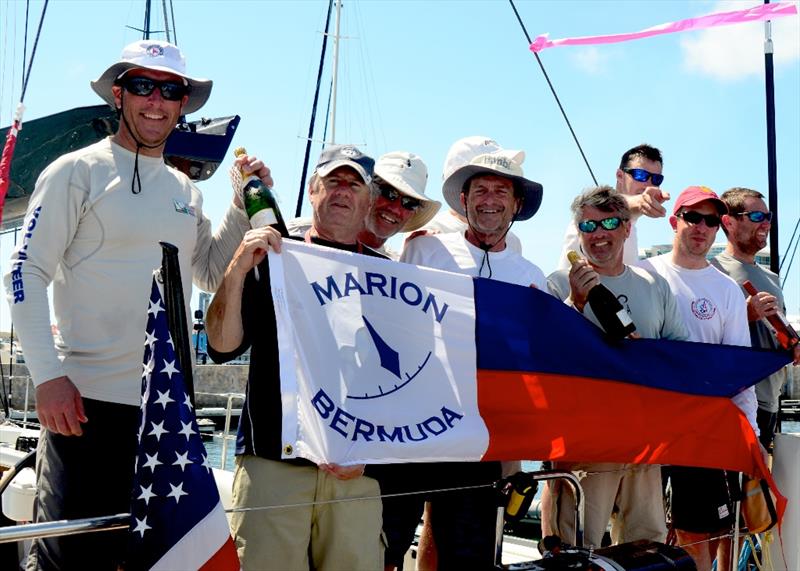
point(785, 333)
point(260, 203)
point(613, 318)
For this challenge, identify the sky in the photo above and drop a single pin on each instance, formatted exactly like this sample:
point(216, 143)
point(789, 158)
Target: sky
point(418, 75)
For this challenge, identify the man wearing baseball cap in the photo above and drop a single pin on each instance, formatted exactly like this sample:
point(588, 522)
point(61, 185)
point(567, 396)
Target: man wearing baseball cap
point(400, 203)
point(319, 533)
point(94, 224)
point(490, 192)
point(714, 311)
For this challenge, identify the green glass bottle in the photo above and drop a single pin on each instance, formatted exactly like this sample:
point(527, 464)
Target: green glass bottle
point(260, 203)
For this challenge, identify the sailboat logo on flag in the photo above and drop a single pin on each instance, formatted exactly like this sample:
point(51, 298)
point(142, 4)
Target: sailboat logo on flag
point(385, 355)
point(390, 362)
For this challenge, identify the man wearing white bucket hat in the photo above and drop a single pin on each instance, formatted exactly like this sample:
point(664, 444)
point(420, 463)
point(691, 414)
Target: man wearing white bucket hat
point(490, 192)
point(94, 223)
point(460, 154)
point(400, 204)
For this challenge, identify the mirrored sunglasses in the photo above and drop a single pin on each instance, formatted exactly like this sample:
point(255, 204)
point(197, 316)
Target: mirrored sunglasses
point(144, 86)
point(391, 194)
point(756, 216)
point(692, 217)
point(642, 175)
point(589, 226)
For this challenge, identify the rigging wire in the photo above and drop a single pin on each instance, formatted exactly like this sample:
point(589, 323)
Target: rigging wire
point(172, 15)
point(33, 52)
point(555, 95)
point(789, 245)
point(25, 38)
point(791, 259)
point(310, 138)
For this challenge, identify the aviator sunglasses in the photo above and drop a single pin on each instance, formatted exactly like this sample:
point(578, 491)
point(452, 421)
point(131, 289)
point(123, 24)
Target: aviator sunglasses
point(641, 175)
point(756, 216)
point(692, 217)
point(391, 194)
point(589, 226)
point(144, 86)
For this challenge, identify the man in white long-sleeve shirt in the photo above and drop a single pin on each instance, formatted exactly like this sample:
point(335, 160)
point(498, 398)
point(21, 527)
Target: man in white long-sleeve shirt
point(92, 230)
point(714, 311)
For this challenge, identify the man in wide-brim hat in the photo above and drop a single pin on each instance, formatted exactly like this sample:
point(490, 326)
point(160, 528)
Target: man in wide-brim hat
point(94, 224)
point(491, 192)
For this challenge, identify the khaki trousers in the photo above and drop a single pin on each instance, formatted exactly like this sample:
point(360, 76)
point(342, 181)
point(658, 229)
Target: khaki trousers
point(633, 492)
point(326, 537)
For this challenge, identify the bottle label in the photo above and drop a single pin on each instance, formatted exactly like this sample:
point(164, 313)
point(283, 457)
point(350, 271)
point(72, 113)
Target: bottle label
point(624, 318)
point(264, 217)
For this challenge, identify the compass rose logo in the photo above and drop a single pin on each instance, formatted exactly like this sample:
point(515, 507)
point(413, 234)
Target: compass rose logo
point(390, 361)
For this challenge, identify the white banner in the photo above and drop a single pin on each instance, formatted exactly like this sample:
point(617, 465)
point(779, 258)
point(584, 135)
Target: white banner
point(377, 359)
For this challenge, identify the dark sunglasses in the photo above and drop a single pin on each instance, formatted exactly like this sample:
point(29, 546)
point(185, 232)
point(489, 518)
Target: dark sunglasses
point(391, 194)
point(642, 175)
point(589, 226)
point(757, 216)
point(144, 86)
point(692, 217)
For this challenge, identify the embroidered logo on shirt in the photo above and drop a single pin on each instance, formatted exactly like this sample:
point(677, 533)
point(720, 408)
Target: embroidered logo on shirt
point(184, 208)
point(703, 308)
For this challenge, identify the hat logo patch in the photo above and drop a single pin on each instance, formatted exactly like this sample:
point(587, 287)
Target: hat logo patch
point(351, 152)
point(501, 162)
point(154, 50)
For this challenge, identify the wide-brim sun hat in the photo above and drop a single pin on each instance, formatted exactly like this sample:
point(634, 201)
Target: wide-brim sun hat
point(158, 56)
point(499, 163)
point(408, 174)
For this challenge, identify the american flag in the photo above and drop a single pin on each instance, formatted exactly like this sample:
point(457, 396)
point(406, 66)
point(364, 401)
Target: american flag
point(177, 518)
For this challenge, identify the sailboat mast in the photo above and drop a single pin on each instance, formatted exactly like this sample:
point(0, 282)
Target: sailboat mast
point(146, 27)
point(772, 155)
point(166, 20)
point(335, 71)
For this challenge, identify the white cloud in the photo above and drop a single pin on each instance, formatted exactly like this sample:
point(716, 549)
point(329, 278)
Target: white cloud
point(591, 60)
point(735, 52)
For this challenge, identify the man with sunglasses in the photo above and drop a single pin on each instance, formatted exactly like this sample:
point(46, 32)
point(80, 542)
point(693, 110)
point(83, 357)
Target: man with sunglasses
point(747, 225)
point(400, 204)
point(714, 311)
point(94, 223)
point(631, 491)
point(639, 180)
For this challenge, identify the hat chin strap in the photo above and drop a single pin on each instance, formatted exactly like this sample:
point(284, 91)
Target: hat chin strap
point(486, 247)
point(136, 181)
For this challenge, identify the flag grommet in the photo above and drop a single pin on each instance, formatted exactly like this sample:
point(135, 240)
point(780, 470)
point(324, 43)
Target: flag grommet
point(288, 450)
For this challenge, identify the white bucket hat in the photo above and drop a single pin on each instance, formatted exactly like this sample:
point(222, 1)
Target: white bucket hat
point(466, 149)
point(159, 56)
point(501, 163)
point(408, 174)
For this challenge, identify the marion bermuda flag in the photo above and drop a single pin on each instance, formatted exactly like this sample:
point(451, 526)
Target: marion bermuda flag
point(177, 519)
point(387, 362)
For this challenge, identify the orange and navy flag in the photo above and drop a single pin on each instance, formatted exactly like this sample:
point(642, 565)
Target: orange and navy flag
point(388, 362)
point(177, 519)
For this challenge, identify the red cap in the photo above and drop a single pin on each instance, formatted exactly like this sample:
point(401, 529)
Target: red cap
point(696, 194)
